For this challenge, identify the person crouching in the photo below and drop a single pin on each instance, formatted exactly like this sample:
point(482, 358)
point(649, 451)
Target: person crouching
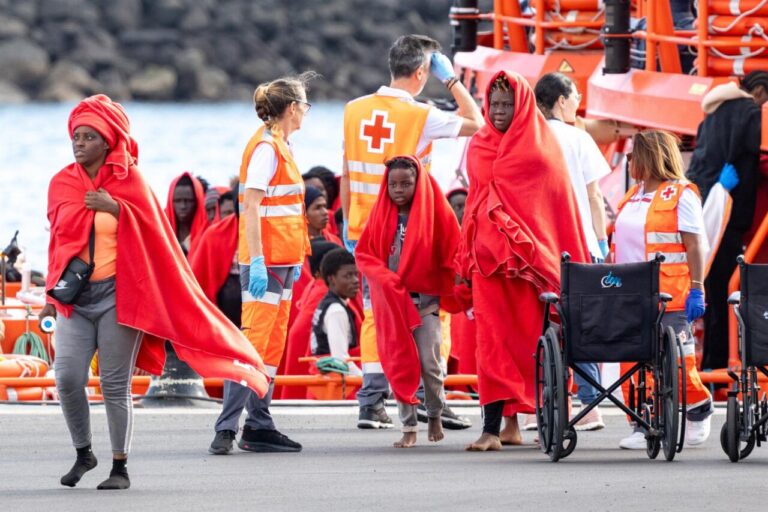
point(334, 324)
point(406, 254)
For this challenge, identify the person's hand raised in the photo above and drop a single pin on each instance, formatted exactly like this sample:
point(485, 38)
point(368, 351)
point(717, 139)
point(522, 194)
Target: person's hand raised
point(101, 201)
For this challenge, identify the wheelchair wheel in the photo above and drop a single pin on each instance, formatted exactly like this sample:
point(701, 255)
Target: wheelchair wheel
point(569, 442)
point(551, 413)
point(652, 443)
point(544, 390)
point(730, 434)
point(669, 423)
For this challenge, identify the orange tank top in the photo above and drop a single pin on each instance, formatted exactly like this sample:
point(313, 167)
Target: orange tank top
point(104, 248)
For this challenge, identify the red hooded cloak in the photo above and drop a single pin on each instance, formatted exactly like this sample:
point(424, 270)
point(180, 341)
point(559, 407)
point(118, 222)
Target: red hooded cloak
point(426, 266)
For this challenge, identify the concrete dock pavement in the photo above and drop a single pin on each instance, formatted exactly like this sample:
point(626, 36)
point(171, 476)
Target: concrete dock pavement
point(345, 469)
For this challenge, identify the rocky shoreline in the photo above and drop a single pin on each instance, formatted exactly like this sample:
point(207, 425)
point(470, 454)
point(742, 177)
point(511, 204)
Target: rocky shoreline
point(202, 50)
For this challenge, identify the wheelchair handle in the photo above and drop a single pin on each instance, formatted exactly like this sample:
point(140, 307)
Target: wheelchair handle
point(549, 298)
point(664, 297)
point(734, 298)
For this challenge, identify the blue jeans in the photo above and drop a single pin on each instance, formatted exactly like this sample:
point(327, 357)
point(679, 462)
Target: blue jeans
point(586, 392)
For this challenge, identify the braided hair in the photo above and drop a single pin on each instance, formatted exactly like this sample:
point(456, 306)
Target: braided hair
point(755, 79)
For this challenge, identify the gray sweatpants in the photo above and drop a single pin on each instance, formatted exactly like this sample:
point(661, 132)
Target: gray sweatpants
point(427, 337)
point(93, 326)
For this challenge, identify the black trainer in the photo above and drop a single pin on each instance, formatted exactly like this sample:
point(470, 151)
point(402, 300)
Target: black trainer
point(374, 416)
point(253, 440)
point(222, 443)
point(448, 418)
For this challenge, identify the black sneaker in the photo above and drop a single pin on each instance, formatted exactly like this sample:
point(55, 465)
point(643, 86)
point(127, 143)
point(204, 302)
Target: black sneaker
point(266, 441)
point(374, 417)
point(222, 443)
point(448, 418)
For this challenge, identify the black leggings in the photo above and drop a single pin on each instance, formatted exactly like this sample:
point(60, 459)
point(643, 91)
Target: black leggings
point(492, 414)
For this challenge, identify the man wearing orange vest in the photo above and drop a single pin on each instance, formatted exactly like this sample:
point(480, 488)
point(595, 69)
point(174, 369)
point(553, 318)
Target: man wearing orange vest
point(376, 128)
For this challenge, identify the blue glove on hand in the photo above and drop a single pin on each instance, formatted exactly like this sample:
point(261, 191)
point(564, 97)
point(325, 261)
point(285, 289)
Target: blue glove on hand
point(441, 67)
point(350, 245)
point(604, 248)
point(729, 177)
point(257, 282)
point(694, 305)
point(296, 273)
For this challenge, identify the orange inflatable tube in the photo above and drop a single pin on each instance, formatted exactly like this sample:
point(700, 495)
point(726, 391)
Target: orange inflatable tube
point(20, 366)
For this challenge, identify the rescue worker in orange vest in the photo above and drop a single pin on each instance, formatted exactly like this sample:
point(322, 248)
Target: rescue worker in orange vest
point(378, 127)
point(272, 245)
point(662, 213)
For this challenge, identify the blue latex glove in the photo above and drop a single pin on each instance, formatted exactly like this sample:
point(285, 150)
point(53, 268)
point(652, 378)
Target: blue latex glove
point(694, 305)
point(729, 177)
point(604, 248)
point(296, 273)
point(441, 67)
point(350, 245)
point(257, 283)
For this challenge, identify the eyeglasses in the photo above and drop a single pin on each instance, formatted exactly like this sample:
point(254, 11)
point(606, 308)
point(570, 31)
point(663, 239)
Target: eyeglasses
point(307, 104)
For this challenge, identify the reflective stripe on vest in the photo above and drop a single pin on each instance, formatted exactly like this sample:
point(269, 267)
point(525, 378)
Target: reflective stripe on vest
point(284, 236)
point(663, 236)
point(377, 128)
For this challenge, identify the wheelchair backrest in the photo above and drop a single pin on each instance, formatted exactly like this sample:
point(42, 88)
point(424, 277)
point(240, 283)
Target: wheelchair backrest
point(754, 312)
point(610, 311)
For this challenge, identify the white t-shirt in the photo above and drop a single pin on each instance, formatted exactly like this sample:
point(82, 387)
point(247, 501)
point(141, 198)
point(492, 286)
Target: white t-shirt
point(339, 332)
point(629, 236)
point(262, 167)
point(439, 124)
point(586, 164)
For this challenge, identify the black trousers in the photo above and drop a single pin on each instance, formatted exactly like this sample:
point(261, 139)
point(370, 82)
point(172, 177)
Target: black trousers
point(492, 414)
point(716, 287)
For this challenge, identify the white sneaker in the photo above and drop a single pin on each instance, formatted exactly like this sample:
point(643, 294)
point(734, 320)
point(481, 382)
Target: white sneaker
point(635, 441)
point(530, 422)
point(697, 432)
point(593, 420)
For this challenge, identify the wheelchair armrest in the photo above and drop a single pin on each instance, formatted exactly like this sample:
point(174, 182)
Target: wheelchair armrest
point(549, 297)
point(734, 298)
point(665, 297)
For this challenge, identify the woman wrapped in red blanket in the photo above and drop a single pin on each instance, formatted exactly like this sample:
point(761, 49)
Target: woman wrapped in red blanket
point(142, 291)
point(520, 215)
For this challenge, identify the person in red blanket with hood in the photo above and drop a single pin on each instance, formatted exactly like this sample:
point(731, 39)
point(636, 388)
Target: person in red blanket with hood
point(141, 292)
point(520, 215)
point(186, 210)
point(406, 253)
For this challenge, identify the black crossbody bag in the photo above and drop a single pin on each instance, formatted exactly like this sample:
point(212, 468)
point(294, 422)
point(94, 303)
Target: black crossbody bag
point(74, 278)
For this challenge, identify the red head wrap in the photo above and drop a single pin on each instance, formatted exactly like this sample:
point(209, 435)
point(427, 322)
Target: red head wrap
point(110, 120)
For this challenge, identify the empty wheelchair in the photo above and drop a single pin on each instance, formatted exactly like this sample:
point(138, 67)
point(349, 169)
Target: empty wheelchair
point(745, 422)
point(610, 313)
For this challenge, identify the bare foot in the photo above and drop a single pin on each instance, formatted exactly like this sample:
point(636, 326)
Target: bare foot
point(407, 441)
point(486, 442)
point(435, 430)
point(510, 435)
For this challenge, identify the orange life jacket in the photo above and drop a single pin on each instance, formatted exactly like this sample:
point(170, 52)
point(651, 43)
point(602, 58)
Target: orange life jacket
point(377, 128)
point(284, 235)
point(663, 236)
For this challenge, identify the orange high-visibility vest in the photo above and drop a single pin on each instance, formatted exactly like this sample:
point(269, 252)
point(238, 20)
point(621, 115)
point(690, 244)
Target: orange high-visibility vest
point(377, 128)
point(284, 234)
point(663, 236)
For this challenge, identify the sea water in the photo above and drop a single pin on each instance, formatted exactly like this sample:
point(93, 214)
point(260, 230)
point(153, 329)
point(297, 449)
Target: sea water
point(205, 139)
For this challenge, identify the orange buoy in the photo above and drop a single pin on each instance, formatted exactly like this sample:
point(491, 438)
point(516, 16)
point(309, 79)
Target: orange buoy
point(727, 67)
point(574, 5)
point(734, 8)
point(8, 394)
point(565, 41)
point(14, 365)
point(735, 26)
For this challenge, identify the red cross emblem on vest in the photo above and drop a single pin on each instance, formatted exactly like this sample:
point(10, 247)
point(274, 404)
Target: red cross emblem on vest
point(668, 193)
point(377, 131)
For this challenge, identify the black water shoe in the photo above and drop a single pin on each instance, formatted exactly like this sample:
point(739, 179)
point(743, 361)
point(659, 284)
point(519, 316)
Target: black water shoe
point(266, 441)
point(222, 443)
